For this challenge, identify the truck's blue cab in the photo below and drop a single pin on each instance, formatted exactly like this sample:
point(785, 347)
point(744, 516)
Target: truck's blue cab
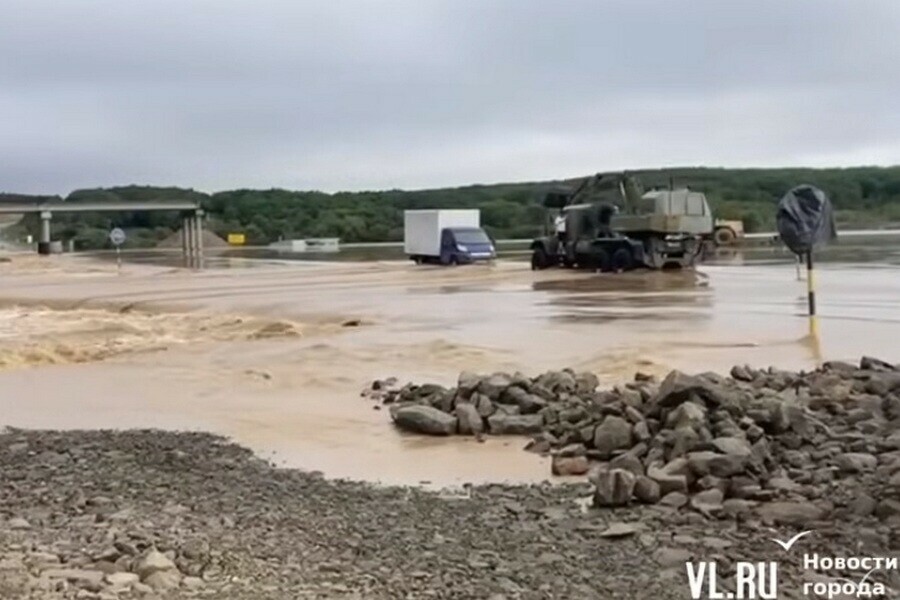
point(461, 245)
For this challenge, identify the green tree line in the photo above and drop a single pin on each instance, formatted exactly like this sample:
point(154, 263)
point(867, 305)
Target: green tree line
point(862, 196)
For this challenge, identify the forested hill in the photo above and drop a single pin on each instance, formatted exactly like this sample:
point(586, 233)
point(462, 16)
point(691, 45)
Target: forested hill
point(863, 197)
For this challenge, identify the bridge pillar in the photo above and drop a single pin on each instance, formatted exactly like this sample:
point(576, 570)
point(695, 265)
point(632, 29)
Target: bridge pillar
point(190, 234)
point(44, 240)
point(192, 239)
point(185, 238)
point(198, 232)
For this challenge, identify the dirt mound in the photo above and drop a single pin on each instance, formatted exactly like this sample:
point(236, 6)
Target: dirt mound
point(210, 240)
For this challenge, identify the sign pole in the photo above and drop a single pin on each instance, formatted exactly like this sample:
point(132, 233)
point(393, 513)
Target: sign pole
point(118, 261)
point(811, 294)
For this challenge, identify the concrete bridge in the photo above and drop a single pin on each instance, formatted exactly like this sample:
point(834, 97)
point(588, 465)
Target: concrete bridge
point(191, 230)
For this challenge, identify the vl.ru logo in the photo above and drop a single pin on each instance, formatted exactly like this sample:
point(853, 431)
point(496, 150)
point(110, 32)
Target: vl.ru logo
point(752, 581)
point(759, 580)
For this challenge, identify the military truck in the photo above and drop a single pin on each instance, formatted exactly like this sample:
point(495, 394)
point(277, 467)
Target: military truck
point(610, 224)
point(727, 233)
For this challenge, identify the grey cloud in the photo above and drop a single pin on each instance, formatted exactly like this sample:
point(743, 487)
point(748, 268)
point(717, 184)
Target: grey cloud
point(365, 94)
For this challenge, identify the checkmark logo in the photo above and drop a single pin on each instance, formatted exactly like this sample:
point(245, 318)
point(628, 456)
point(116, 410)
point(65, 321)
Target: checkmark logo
point(788, 544)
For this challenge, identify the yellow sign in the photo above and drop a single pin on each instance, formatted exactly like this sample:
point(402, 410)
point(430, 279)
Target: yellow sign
point(236, 239)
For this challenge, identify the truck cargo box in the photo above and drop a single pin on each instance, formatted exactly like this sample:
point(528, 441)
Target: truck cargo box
point(422, 228)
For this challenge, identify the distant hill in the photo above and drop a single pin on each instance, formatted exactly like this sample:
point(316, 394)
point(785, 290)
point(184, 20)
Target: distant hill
point(863, 197)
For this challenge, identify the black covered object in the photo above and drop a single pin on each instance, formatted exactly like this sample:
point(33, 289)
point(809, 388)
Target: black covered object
point(805, 219)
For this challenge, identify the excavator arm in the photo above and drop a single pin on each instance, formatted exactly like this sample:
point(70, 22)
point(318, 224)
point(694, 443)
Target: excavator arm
point(618, 189)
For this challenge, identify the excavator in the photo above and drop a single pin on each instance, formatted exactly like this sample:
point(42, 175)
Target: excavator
point(610, 224)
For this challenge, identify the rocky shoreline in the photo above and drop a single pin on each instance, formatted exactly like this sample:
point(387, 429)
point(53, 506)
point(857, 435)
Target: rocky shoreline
point(151, 514)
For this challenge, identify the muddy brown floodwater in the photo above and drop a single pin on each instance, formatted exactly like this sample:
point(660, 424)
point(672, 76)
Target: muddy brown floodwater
point(83, 347)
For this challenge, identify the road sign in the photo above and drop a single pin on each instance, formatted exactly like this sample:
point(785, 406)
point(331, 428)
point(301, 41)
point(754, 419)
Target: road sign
point(117, 237)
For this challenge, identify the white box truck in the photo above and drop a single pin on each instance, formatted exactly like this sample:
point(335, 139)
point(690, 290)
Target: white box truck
point(448, 237)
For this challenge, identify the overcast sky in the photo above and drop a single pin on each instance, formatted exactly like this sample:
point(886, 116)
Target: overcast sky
point(347, 95)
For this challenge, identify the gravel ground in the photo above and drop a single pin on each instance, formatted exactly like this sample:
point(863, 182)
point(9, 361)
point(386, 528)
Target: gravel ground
point(152, 514)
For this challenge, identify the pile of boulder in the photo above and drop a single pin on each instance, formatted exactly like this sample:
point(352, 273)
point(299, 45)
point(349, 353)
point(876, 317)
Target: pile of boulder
point(804, 442)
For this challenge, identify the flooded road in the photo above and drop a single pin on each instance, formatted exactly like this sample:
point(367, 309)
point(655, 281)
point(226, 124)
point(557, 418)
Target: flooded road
point(186, 363)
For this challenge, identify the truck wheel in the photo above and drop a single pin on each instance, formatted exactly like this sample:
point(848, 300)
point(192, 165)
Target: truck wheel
point(622, 260)
point(599, 260)
point(454, 260)
point(417, 260)
point(724, 236)
point(539, 259)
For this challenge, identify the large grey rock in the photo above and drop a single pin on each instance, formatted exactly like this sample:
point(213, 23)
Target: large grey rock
point(863, 505)
point(742, 373)
point(469, 421)
point(856, 462)
point(682, 440)
point(892, 441)
point(614, 433)
point(628, 462)
point(425, 419)
point(737, 507)
point(668, 480)
point(586, 382)
point(718, 465)
point(513, 395)
point(18, 523)
point(641, 431)
point(531, 404)
point(646, 490)
point(678, 387)
point(687, 415)
point(484, 405)
point(163, 581)
point(508, 409)
point(558, 381)
point(152, 562)
point(869, 363)
point(732, 446)
point(431, 392)
point(619, 530)
point(467, 383)
point(888, 508)
point(668, 558)
point(569, 465)
point(502, 424)
point(527, 402)
point(443, 401)
point(674, 500)
point(634, 415)
point(121, 581)
point(613, 487)
point(494, 385)
point(574, 414)
point(708, 502)
point(774, 414)
point(790, 513)
point(87, 579)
